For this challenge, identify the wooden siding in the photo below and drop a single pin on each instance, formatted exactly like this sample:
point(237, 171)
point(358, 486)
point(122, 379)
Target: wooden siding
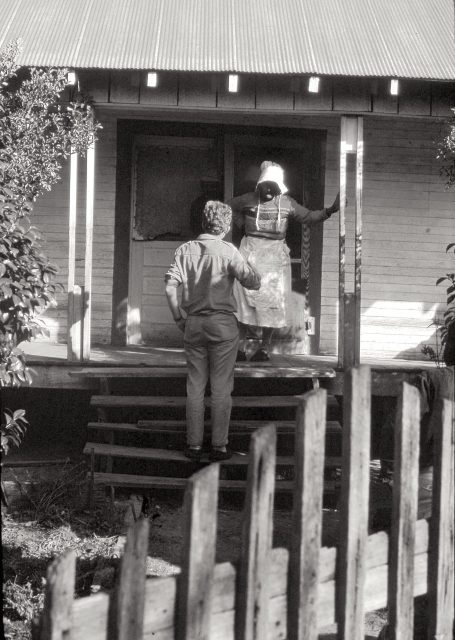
point(408, 220)
point(268, 93)
point(50, 215)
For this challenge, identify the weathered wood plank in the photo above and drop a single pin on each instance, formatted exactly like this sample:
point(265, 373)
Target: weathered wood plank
point(441, 546)
point(351, 570)
point(342, 238)
point(90, 613)
point(88, 260)
point(195, 589)
point(180, 401)
point(127, 615)
point(404, 516)
point(241, 371)
point(307, 517)
point(56, 619)
point(254, 567)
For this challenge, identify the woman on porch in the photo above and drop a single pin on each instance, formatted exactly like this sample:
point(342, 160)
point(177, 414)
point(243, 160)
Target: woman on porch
point(263, 216)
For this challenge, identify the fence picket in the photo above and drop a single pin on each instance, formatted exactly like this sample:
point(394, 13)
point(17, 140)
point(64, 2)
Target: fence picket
point(254, 567)
point(441, 544)
point(307, 517)
point(404, 516)
point(58, 598)
point(355, 479)
point(195, 586)
point(127, 613)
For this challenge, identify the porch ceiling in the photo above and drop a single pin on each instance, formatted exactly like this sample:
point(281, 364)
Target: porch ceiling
point(406, 39)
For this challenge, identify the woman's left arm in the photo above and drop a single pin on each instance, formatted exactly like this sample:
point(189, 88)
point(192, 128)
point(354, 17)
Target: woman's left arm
point(306, 216)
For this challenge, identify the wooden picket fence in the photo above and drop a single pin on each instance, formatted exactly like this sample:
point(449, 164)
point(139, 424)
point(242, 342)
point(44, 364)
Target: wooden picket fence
point(273, 594)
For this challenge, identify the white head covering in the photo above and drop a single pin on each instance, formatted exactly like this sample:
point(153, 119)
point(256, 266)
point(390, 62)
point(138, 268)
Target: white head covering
point(272, 172)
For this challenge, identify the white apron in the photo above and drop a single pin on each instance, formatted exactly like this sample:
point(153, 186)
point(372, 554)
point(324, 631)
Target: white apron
point(270, 306)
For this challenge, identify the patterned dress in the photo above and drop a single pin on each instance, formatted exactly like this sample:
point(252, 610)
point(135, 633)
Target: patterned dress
point(264, 246)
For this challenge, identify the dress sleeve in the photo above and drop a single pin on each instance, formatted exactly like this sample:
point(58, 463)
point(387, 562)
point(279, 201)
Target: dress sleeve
point(237, 205)
point(304, 215)
point(246, 275)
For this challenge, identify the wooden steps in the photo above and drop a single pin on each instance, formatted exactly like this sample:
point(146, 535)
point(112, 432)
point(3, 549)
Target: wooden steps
point(239, 427)
point(160, 482)
point(144, 402)
point(169, 455)
point(146, 434)
point(242, 370)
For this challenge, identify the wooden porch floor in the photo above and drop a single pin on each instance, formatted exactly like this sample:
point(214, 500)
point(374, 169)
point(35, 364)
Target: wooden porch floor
point(52, 368)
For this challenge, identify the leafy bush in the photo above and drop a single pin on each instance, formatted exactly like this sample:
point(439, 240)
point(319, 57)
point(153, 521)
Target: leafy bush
point(446, 153)
point(37, 133)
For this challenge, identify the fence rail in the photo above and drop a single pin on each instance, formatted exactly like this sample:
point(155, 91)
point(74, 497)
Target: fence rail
point(273, 594)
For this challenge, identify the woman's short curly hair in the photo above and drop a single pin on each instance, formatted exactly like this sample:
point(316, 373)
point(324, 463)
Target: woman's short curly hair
point(217, 217)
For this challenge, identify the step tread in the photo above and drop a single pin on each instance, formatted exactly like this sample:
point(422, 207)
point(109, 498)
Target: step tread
point(180, 401)
point(242, 370)
point(178, 426)
point(128, 480)
point(151, 453)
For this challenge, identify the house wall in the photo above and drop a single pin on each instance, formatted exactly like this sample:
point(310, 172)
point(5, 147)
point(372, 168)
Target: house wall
point(51, 216)
point(408, 220)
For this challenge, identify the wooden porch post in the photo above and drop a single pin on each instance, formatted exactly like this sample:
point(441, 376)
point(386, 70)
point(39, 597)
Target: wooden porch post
point(74, 292)
point(351, 142)
point(89, 207)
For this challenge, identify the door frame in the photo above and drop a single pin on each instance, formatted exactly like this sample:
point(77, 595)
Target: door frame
point(314, 143)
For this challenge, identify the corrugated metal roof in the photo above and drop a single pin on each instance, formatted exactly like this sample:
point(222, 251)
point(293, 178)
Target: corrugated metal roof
point(402, 38)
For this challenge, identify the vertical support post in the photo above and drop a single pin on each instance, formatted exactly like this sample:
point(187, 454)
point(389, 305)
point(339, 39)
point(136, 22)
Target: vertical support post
point(441, 543)
point(351, 142)
point(254, 567)
point(342, 239)
point(355, 480)
point(404, 516)
point(358, 236)
point(56, 618)
point(198, 561)
point(349, 331)
point(89, 208)
point(127, 613)
point(228, 176)
point(73, 353)
point(307, 517)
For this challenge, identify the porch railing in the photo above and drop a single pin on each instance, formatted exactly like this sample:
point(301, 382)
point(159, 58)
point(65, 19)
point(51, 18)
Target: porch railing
point(279, 593)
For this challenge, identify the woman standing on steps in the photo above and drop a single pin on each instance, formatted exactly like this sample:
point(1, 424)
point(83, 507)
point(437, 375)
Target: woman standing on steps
point(263, 215)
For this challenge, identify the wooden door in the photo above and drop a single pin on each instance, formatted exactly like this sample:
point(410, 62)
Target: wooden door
point(302, 159)
point(167, 174)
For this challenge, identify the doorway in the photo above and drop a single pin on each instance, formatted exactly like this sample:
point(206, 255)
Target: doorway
point(302, 158)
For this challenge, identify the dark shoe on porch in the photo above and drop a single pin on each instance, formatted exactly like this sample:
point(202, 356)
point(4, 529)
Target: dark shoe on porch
point(241, 356)
point(218, 455)
point(193, 454)
point(261, 355)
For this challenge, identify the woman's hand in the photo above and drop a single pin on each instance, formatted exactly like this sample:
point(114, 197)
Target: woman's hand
point(335, 206)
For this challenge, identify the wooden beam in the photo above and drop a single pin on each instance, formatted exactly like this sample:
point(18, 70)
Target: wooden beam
point(253, 587)
point(404, 516)
point(342, 240)
point(358, 237)
point(355, 480)
point(196, 581)
point(89, 207)
point(307, 517)
point(72, 353)
point(441, 546)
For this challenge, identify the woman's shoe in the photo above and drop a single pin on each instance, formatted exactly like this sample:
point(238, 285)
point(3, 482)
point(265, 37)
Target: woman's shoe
point(261, 355)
